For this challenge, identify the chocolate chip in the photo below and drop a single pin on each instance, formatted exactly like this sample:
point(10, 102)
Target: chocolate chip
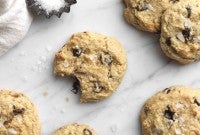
point(189, 12)
point(87, 132)
point(167, 90)
point(168, 41)
point(6, 122)
point(143, 8)
point(76, 87)
point(197, 101)
point(174, 1)
point(186, 34)
point(169, 114)
point(77, 52)
point(17, 111)
point(146, 110)
point(106, 59)
point(97, 87)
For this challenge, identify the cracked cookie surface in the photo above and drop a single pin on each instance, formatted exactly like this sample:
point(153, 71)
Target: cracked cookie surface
point(18, 116)
point(97, 61)
point(75, 129)
point(173, 111)
point(180, 33)
point(146, 14)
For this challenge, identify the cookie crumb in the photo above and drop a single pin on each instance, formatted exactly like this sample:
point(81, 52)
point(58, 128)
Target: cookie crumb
point(67, 99)
point(45, 93)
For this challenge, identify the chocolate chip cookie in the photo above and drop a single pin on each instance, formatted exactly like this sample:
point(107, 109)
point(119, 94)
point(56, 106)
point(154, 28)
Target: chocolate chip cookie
point(18, 116)
point(173, 111)
point(180, 33)
point(97, 61)
point(146, 14)
point(75, 129)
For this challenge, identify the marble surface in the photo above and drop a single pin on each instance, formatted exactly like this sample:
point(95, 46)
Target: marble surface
point(28, 68)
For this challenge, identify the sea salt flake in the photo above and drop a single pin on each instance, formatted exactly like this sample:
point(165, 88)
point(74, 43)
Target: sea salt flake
point(179, 105)
point(180, 37)
point(196, 39)
point(50, 5)
point(149, 6)
point(63, 111)
point(158, 130)
point(12, 131)
point(178, 132)
point(181, 120)
point(43, 58)
point(65, 64)
point(169, 123)
point(48, 48)
point(187, 24)
point(22, 53)
point(114, 128)
point(1, 123)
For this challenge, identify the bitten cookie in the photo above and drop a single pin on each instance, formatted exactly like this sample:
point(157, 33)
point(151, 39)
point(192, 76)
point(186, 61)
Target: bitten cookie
point(18, 116)
point(146, 14)
point(97, 61)
point(180, 34)
point(173, 111)
point(75, 129)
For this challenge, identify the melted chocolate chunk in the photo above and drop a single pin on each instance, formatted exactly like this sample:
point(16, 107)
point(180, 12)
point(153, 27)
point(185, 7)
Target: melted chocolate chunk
point(77, 52)
point(146, 110)
point(143, 8)
point(167, 90)
point(168, 41)
point(174, 1)
point(6, 122)
point(169, 114)
point(189, 12)
point(76, 87)
point(186, 34)
point(87, 132)
point(197, 101)
point(17, 111)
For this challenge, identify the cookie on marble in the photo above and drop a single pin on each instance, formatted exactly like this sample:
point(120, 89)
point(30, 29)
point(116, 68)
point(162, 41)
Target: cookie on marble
point(146, 14)
point(75, 129)
point(173, 111)
point(180, 33)
point(97, 61)
point(18, 115)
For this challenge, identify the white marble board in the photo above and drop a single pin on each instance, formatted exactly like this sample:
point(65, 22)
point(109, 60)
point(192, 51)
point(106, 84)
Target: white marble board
point(28, 68)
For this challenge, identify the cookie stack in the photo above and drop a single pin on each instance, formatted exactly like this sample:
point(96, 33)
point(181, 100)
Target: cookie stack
point(176, 20)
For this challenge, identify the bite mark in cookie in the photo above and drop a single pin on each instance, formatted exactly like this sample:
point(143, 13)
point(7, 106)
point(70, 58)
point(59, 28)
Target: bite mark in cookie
point(97, 61)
